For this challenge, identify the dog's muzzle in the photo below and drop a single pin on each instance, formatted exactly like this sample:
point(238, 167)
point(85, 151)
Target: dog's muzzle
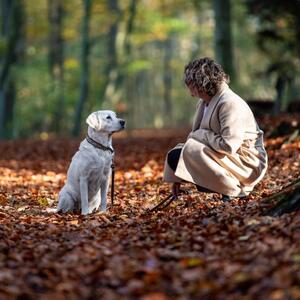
point(122, 123)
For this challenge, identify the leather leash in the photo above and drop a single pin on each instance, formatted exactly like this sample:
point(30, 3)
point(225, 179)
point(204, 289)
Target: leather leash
point(112, 182)
point(164, 203)
point(168, 200)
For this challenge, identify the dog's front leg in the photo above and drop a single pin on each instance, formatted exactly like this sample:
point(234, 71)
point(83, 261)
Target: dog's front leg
point(84, 197)
point(104, 188)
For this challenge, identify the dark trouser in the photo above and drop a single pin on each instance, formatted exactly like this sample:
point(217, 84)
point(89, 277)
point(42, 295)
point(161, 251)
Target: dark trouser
point(173, 158)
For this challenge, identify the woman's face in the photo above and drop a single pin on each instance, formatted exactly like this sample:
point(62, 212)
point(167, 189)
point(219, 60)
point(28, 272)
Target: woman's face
point(198, 94)
point(194, 91)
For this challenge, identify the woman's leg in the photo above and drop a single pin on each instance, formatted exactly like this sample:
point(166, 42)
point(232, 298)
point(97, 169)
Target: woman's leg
point(172, 159)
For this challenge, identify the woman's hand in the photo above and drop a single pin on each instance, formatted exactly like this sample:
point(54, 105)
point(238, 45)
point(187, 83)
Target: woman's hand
point(198, 135)
point(228, 144)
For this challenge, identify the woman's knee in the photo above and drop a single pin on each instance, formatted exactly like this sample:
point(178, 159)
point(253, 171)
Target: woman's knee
point(173, 158)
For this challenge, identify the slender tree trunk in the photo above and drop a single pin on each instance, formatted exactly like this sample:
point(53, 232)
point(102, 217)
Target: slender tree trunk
point(127, 47)
point(129, 27)
point(84, 80)
point(167, 79)
point(124, 81)
point(280, 87)
point(197, 39)
point(110, 70)
point(223, 36)
point(5, 13)
point(56, 58)
point(11, 29)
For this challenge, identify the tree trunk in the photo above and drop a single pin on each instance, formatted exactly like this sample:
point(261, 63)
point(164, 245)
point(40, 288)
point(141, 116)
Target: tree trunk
point(223, 37)
point(127, 43)
point(287, 200)
point(56, 58)
point(129, 27)
point(126, 81)
point(110, 71)
point(167, 79)
point(11, 30)
point(197, 39)
point(280, 87)
point(84, 80)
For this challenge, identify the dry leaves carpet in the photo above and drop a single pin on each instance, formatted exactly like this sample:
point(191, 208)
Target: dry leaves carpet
point(198, 248)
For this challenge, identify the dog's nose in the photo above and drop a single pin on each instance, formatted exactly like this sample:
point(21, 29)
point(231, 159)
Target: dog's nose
point(122, 122)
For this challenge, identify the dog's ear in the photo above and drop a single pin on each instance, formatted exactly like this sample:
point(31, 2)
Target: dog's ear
point(94, 121)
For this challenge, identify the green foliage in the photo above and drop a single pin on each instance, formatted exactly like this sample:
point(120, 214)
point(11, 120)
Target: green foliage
point(135, 86)
point(3, 46)
point(137, 66)
point(278, 29)
point(278, 37)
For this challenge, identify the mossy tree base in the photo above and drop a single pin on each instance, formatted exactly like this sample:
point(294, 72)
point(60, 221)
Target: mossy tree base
point(287, 200)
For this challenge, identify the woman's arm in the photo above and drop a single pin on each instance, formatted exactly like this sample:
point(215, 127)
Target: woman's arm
point(231, 134)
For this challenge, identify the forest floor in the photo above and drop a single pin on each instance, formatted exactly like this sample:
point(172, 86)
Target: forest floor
point(198, 248)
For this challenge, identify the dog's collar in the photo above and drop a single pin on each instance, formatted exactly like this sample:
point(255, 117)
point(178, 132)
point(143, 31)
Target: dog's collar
point(98, 145)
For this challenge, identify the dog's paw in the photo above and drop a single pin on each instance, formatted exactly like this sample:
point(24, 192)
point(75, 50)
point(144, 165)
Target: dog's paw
point(52, 210)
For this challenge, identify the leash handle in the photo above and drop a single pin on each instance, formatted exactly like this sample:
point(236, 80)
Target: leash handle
point(164, 203)
point(112, 183)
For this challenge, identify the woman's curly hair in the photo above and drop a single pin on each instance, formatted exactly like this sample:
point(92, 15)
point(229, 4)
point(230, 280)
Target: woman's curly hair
point(205, 74)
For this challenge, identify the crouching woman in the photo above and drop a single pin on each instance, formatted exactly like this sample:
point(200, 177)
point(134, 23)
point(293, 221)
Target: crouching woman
point(224, 153)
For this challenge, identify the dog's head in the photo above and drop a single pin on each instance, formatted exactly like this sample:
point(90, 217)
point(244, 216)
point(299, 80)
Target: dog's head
point(105, 121)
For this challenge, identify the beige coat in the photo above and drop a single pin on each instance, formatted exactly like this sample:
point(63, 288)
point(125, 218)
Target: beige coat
point(225, 151)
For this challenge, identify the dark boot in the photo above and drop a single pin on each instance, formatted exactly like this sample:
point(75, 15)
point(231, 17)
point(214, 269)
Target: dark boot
point(176, 189)
point(226, 198)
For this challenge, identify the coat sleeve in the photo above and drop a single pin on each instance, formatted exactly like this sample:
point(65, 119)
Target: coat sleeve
point(231, 133)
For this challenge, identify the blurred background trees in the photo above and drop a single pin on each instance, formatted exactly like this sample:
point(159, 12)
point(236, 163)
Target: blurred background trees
point(12, 48)
point(56, 59)
point(60, 60)
point(278, 36)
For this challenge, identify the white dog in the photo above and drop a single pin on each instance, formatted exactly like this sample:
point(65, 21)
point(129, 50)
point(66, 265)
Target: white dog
point(90, 169)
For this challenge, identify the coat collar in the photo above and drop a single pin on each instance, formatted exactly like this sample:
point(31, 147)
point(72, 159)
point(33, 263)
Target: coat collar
point(204, 121)
point(224, 86)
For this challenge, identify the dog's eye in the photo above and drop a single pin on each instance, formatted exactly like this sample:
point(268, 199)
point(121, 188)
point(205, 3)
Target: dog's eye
point(108, 118)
